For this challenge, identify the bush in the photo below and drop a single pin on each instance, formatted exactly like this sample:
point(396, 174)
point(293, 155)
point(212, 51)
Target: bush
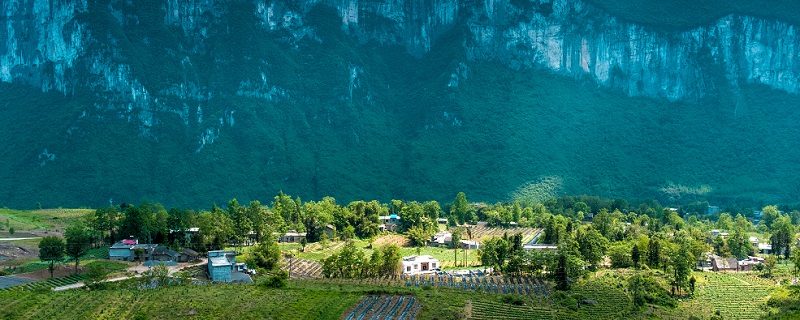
point(644, 288)
point(278, 280)
point(511, 299)
point(565, 301)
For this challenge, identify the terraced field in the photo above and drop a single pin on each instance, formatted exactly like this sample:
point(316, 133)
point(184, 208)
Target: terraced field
point(302, 268)
point(384, 307)
point(488, 309)
point(479, 232)
point(226, 301)
point(491, 285)
point(12, 281)
point(734, 295)
point(47, 284)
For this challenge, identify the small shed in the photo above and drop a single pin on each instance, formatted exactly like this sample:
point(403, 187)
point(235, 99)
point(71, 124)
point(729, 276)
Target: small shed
point(188, 255)
point(162, 253)
point(330, 231)
point(470, 244)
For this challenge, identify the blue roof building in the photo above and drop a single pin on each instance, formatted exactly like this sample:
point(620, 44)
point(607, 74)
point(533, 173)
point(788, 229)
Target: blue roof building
point(220, 265)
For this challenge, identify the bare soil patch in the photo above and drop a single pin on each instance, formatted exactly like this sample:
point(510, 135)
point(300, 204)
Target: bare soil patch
point(399, 240)
point(13, 251)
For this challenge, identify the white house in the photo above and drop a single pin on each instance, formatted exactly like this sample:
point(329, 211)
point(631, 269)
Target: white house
point(765, 248)
point(419, 264)
point(441, 239)
point(389, 223)
point(471, 245)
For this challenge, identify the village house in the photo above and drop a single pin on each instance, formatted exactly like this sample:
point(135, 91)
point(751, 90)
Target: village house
point(442, 239)
point(419, 264)
point(717, 232)
point(162, 253)
point(532, 247)
point(764, 248)
point(389, 223)
point(724, 264)
point(124, 250)
point(470, 244)
point(293, 236)
point(220, 265)
point(188, 255)
point(330, 231)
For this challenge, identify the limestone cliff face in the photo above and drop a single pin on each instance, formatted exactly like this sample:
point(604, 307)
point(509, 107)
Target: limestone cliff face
point(46, 45)
point(570, 37)
point(50, 45)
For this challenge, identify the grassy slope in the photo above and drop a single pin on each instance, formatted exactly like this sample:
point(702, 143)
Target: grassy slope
point(517, 127)
point(41, 219)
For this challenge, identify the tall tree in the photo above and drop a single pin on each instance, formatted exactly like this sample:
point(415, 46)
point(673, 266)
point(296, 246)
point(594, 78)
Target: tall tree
point(682, 264)
point(782, 234)
point(593, 246)
point(460, 207)
point(77, 242)
point(51, 250)
point(456, 245)
point(267, 255)
point(562, 280)
point(635, 255)
point(768, 215)
point(654, 253)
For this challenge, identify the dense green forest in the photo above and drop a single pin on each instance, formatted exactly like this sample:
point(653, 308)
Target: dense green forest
point(402, 133)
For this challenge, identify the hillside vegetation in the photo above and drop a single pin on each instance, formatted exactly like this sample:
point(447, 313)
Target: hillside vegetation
point(402, 133)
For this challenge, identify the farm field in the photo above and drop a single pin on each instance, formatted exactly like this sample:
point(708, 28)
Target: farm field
point(734, 295)
point(334, 298)
point(385, 307)
point(232, 301)
point(40, 220)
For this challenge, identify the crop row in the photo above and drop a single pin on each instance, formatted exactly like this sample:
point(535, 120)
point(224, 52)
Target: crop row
point(302, 268)
point(385, 307)
point(494, 310)
point(49, 283)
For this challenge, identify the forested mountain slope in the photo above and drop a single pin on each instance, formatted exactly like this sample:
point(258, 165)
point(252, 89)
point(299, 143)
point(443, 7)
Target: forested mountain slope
point(182, 101)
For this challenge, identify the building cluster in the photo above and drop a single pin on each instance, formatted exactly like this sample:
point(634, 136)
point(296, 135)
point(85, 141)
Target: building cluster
point(131, 250)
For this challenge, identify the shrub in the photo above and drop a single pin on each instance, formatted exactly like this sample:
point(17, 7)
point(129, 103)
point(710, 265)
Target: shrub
point(511, 299)
point(278, 280)
point(644, 288)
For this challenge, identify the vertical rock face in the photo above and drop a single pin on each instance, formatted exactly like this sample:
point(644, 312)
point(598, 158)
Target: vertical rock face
point(43, 41)
point(571, 38)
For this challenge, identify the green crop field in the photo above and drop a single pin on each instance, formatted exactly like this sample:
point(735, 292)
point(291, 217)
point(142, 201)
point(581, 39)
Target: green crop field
point(46, 219)
point(734, 295)
point(737, 296)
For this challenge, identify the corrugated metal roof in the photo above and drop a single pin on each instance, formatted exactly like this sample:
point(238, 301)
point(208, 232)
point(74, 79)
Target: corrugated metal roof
point(219, 261)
